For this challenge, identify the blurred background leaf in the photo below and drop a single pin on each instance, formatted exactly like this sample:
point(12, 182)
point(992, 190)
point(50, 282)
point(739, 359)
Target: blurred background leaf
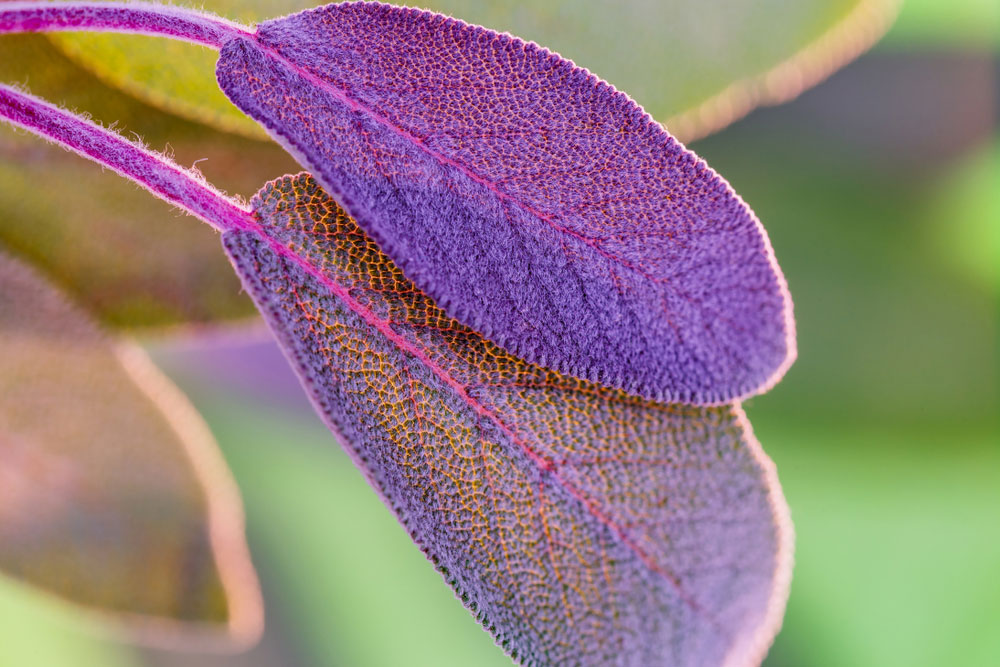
point(970, 197)
point(965, 24)
point(694, 65)
point(112, 492)
point(131, 259)
point(174, 76)
point(37, 631)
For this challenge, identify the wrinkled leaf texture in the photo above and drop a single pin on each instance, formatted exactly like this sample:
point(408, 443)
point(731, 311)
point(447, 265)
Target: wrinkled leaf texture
point(693, 65)
point(579, 524)
point(531, 200)
point(113, 494)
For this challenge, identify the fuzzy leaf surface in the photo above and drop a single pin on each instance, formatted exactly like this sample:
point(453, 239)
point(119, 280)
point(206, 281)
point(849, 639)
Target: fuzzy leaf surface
point(579, 524)
point(112, 492)
point(693, 65)
point(532, 201)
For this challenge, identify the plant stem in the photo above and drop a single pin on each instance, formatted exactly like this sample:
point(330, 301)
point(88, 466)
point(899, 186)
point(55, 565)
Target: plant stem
point(153, 171)
point(139, 17)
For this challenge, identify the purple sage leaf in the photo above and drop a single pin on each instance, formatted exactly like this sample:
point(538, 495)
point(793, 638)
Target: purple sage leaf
point(579, 524)
point(531, 200)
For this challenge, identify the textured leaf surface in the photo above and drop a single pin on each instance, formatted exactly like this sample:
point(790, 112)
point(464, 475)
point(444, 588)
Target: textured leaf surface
point(694, 65)
point(91, 231)
point(112, 492)
point(532, 201)
point(580, 525)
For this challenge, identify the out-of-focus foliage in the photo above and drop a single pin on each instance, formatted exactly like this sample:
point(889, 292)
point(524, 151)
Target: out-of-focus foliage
point(112, 493)
point(966, 24)
point(175, 76)
point(970, 198)
point(42, 631)
point(897, 552)
point(674, 58)
point(127, 257)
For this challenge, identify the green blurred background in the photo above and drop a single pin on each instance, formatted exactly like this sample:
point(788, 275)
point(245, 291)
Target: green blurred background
point(880, 189)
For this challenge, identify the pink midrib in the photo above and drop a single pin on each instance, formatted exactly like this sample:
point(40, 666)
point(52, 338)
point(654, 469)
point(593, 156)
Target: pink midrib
point(544, 464)
point(467, 171)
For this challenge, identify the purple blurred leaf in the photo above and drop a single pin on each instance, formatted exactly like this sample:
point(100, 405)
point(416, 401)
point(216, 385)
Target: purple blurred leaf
point(113, 494)
point(532, 201)
point(579, 524)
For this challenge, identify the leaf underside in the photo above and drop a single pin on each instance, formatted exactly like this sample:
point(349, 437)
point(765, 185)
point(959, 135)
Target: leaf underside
point(533, 202)
point(580, 525)
point(112, 495)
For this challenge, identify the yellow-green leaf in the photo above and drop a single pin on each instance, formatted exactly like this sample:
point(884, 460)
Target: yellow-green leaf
point(130, 259)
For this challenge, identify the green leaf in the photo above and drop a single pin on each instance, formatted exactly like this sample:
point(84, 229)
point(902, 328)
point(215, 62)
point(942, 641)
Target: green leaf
point(37, 631)
point(871, 586)
point(175, 76)
point(694, 65)
point(969, 203)
point(130, 259)
point(113, 494)
point(963, 24)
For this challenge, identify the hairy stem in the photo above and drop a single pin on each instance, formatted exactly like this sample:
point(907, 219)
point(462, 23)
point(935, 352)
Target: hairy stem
point(139, 17)
point(153, 171)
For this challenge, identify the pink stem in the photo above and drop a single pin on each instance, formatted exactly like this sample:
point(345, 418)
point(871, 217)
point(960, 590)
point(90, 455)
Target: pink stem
point(138, 17)
point(153, 171)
